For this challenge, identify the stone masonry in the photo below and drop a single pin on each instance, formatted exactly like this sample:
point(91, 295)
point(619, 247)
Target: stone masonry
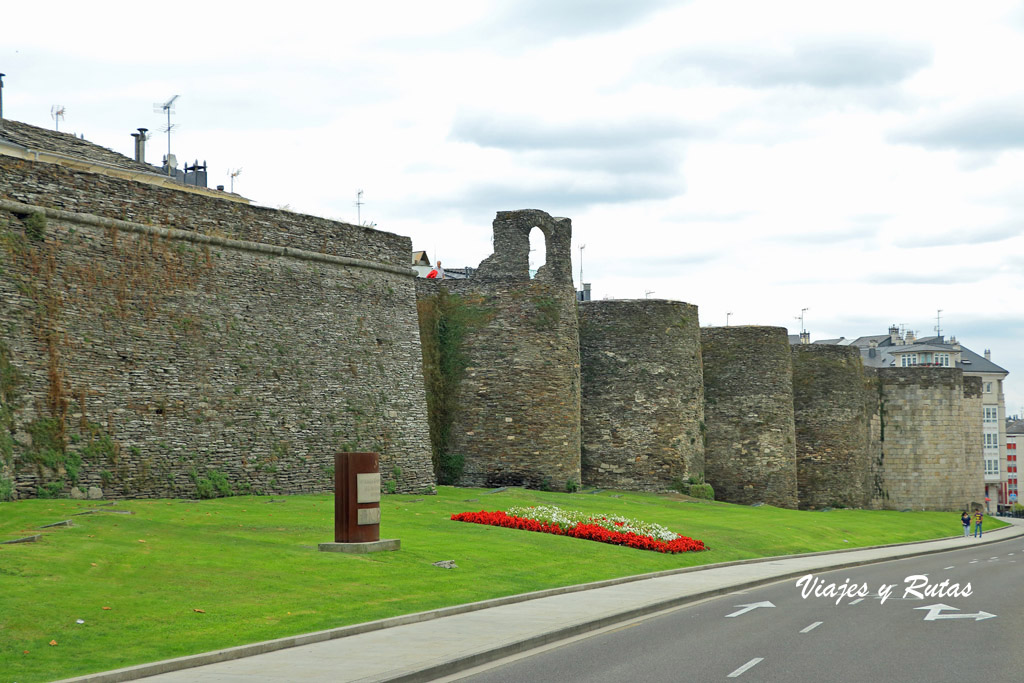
point(200, 341)
point(832, 426)
point(927, 461)
point(518, 421)
point(750, 455)
point(643, 394)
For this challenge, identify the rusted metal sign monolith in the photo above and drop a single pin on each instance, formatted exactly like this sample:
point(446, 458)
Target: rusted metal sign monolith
point(356, 497)
point(357, 505)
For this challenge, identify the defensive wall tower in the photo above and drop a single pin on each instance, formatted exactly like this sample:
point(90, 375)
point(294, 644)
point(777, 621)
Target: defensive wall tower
point(930, 448)
point(974, 435)
point(643, 393)
point(833, 460)
point(501, 356)
point(164, 343)
point(750, 454)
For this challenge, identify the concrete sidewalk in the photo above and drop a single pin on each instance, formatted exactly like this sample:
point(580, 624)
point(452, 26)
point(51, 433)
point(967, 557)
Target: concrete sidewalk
point(429, 645)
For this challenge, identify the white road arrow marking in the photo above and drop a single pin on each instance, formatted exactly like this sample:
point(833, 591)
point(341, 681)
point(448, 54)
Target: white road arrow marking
point(935, 610)
point(749, 607)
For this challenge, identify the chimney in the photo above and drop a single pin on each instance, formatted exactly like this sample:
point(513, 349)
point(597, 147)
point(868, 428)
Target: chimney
point(988, 354)
point(911, 337)
point(954, 343)
point(805, 337)
point(140, 145)
point(872, 344)
point(894, 335)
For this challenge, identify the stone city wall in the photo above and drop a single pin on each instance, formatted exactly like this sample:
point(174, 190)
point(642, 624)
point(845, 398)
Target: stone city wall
point(925, 424)
point(750, 454)
point(163, 362)
point(974, 434)
point(832, 426)
point(515, 407)
point(643, 394)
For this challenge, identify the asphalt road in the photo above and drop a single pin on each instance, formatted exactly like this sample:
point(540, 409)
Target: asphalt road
point(907, 638)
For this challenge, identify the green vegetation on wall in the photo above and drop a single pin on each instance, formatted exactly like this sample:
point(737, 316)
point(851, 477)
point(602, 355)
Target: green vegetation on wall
point(9, 379)
point(445, 320)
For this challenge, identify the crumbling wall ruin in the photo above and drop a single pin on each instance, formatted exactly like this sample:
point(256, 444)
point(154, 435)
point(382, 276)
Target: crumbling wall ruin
point(514, 409)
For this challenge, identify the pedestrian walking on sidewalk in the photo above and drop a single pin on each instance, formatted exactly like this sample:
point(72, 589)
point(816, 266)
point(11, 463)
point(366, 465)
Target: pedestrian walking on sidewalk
point(978, 516)
point(965, 519)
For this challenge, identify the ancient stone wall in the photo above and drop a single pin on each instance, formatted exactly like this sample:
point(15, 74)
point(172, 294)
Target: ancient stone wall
point(57, 187)
point(750, 454)
point(163, 362)
point(643, 394)
point(926, 460)
point(516, 408)
point(974, 434)
point(832, 426)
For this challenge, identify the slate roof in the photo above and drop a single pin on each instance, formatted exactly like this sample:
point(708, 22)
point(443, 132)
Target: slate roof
point(882, 355)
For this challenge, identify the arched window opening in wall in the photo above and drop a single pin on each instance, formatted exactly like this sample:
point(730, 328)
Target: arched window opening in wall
point(538, 250)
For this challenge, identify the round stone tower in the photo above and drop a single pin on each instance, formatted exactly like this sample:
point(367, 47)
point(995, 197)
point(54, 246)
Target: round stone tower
point(833, 463)
point(642, 393)
point(750, 453)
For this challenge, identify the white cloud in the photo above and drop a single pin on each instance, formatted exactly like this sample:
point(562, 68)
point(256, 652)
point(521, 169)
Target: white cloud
point(862, 160)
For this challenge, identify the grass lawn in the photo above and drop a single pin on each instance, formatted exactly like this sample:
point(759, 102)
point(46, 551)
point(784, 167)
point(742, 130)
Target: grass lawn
point(181, 577)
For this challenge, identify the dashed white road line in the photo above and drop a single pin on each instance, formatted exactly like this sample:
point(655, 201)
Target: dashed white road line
point(749, 665)
point(852, 602)
point(811, 627)
point(949, 567)
point(973, 562)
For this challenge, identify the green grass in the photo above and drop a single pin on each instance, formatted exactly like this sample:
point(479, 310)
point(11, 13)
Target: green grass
point(253, 566)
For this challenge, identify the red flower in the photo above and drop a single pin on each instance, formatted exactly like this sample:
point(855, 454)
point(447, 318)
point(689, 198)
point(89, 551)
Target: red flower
point(591, 532)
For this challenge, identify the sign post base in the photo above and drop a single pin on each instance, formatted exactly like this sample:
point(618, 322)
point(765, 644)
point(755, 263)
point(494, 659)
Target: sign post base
point(362, 548)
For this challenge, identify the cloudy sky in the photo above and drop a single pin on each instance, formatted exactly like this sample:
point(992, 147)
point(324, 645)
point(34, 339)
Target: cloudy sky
point(861, 160)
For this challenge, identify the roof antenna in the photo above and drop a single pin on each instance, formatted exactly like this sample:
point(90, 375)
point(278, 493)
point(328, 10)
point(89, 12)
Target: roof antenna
point(359, 207)
point(57, 113)
point(168, 108)
point(234, 174)
point(2, 96)
point(938, 324)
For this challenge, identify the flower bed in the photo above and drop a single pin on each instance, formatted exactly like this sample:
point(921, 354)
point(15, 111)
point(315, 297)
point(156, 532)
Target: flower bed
point(606, 529)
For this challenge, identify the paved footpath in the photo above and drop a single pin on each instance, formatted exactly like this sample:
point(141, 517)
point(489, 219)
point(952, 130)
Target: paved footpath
point(429, 645)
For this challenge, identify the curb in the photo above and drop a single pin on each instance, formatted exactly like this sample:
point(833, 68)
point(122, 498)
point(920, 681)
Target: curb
point(454, 666)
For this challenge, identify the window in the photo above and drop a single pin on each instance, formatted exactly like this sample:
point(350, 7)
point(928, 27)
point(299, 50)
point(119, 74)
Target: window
point(991, 466)
point(988, 387)
point(942, 359)
point(991, 414)
point(908, 360)
point(991, 441)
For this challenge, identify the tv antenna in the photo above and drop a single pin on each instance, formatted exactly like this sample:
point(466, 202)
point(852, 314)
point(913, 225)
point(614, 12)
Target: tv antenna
point(938, 323)
point(801, 319)
point(234, 174)
point(359, 206)
point(582, 247)
point(647, 293)
point(167, 108)
point(727, 316)
point(57, 113)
